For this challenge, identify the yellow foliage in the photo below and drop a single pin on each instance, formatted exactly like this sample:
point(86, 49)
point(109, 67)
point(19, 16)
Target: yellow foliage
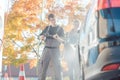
point(33, 63)
point(68, 28)
point(30, 40)
point(9, 50)
point(6, 62)
point(25, 48)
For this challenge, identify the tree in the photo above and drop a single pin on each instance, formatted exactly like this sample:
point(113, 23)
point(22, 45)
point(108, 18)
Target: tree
point(23, 22)
point(22, 18)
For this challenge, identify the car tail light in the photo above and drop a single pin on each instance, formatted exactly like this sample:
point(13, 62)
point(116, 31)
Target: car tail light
point(111, 67)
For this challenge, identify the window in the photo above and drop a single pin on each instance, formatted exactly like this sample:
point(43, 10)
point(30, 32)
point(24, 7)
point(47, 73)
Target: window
point(90, 37)
point(92, 25)
point(109, 22)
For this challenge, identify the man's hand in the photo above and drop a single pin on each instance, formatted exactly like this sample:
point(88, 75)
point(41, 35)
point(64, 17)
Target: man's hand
point(58, 38)
point(55, 36)
point(42, 37)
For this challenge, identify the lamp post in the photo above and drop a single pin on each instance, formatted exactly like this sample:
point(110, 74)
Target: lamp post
point(1, 35)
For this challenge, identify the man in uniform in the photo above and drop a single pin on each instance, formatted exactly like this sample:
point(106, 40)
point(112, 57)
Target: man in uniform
point(53, 36)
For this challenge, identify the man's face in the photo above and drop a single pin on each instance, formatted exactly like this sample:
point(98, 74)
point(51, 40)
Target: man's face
point(52, 21)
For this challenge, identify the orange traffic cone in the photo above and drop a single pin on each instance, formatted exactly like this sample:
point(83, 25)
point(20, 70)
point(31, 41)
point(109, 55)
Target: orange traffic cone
point(22, 73)
point(6, 76)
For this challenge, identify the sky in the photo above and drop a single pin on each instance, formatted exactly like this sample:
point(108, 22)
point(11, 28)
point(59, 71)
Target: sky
point(85, 2)
point(3, 4)
point(6, 4)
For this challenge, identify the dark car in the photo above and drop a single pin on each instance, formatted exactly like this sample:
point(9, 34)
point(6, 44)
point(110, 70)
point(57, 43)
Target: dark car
point(100, 41)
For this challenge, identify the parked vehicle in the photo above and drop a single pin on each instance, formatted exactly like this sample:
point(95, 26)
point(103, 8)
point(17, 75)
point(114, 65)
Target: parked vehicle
point(100, 41)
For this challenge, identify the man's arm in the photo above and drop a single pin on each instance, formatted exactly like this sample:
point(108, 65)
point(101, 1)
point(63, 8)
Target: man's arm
point(59, 35)
point(42, 35)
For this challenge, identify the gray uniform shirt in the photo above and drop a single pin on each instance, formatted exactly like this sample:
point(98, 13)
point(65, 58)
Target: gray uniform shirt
point(50, 41)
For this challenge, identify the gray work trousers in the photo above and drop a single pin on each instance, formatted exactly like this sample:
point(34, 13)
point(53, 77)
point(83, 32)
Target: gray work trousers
point(71, 57)
point(50, 54)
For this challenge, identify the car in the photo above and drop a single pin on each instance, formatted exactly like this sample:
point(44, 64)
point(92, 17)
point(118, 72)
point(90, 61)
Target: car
point(100, 41)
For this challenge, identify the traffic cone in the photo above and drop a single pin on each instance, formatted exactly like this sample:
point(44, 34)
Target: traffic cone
point(22, 73)
point(6, 76)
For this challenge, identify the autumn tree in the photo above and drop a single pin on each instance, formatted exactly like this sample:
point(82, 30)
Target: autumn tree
point(24, 21)
point(22, 18)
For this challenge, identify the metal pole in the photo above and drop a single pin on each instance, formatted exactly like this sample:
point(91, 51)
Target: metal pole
point(1, 35)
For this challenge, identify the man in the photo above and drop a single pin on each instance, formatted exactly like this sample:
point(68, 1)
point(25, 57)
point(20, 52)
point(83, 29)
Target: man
point(73, 34)
point(52, 35)
point(70, 53)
